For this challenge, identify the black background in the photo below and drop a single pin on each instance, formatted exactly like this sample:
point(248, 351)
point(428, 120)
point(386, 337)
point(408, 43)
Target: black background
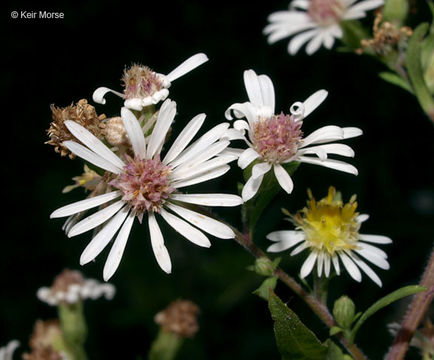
point(61, 61)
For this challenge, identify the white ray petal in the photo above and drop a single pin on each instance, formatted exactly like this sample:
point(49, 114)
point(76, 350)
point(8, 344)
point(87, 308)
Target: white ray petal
point(278, 31)
point(165, 118)
point(199, 145)
point(362, 218)
point(313, 101)
point(337, 149)
point(352, 269)
point(335, 261)
point(293, 236)
point(188, 65)
point(158, 247)
point(350, 132)
point(260, 169)
point(377, 239)
point(299, 40)
point(299, 248)
point(93, 143)
point(244, 110)
point(374, 258)
point(308, 265)
point(182, 174)
point(100, 241)
point(135, 132)
point(209, 199)
point(96, 219)
point(315, 43)
point(326, 133)
point(330, 163)
point(366, 5)
point(283, 178)
point(203, 222)
point(320, 263)
point(251, 82)
point(372, 249)
point(117, 250)
point(267, 91)
point(90, 156)
point(98, 94)
point(251, 187)
point(185, 229)
point(247, 157)
point(136, 103)
point(230, 151)
point(366, 269)
point(205, 155)
point(205, 176)
point(85, 204)
point(327, 265)
point(184, 138)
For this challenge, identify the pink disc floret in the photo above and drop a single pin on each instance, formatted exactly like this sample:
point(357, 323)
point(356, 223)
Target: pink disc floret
point(277, 138)
point(145, 184)
point(326, 12)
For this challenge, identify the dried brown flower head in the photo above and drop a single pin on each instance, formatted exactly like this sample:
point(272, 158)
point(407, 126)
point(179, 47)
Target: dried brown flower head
point(45, 335)
point(180, 318)
point(115, 132)
point(82, 113)
point(387, 37)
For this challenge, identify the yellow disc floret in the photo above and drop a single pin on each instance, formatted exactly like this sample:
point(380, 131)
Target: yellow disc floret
point(330, 226)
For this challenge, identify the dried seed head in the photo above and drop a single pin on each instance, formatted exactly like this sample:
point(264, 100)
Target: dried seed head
point(387, 37)
point(140, 82)
point(83, 114)
point(180, 318)
point(45, 334)
point(115, 132)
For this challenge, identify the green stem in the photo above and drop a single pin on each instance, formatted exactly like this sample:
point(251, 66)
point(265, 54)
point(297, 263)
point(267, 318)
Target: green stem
point(165, 346)
point(415, 313)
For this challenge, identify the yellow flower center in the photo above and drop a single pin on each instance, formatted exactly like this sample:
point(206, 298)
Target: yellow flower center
point(330, 225)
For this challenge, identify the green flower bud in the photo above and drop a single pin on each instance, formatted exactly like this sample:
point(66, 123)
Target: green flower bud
point(395, 11)
point(343, 311)
point(264, 266)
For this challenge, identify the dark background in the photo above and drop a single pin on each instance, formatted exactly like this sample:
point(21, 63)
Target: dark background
point(61, 61)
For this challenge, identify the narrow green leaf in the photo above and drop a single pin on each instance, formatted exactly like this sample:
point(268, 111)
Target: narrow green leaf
point(294, 340)
point(396, 80)
point(386, 300)
point(415, 71)
point(263, 290)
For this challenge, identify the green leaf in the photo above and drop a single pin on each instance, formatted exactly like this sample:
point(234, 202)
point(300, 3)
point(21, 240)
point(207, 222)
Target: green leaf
point(335, 330)
point(396, 80)
point(264, 289)
point(383, 302)
point(294, 340)
point(415, 71)
point(335, 353)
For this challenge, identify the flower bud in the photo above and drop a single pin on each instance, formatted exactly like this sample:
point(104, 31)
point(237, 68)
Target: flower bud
point(343, 311)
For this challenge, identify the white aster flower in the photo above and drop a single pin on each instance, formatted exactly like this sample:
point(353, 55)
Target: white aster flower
point(147, 185)
point(330, 230)
point(315, 21)
point(7, 351)
point(70, 287)
point(144, 87)
point(277, 139)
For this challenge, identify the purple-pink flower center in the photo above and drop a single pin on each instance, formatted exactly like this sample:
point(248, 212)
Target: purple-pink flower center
point(145, 184)
point(140, 82)
point(277, 138)
point(326, 12)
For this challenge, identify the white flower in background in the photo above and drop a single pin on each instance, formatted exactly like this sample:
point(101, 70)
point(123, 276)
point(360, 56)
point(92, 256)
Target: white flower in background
point(148, 185)
point(315, 21)
point(70, 287)
point(277, 139)
point(330, 230)
point(7, 352)
point(144, 87)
